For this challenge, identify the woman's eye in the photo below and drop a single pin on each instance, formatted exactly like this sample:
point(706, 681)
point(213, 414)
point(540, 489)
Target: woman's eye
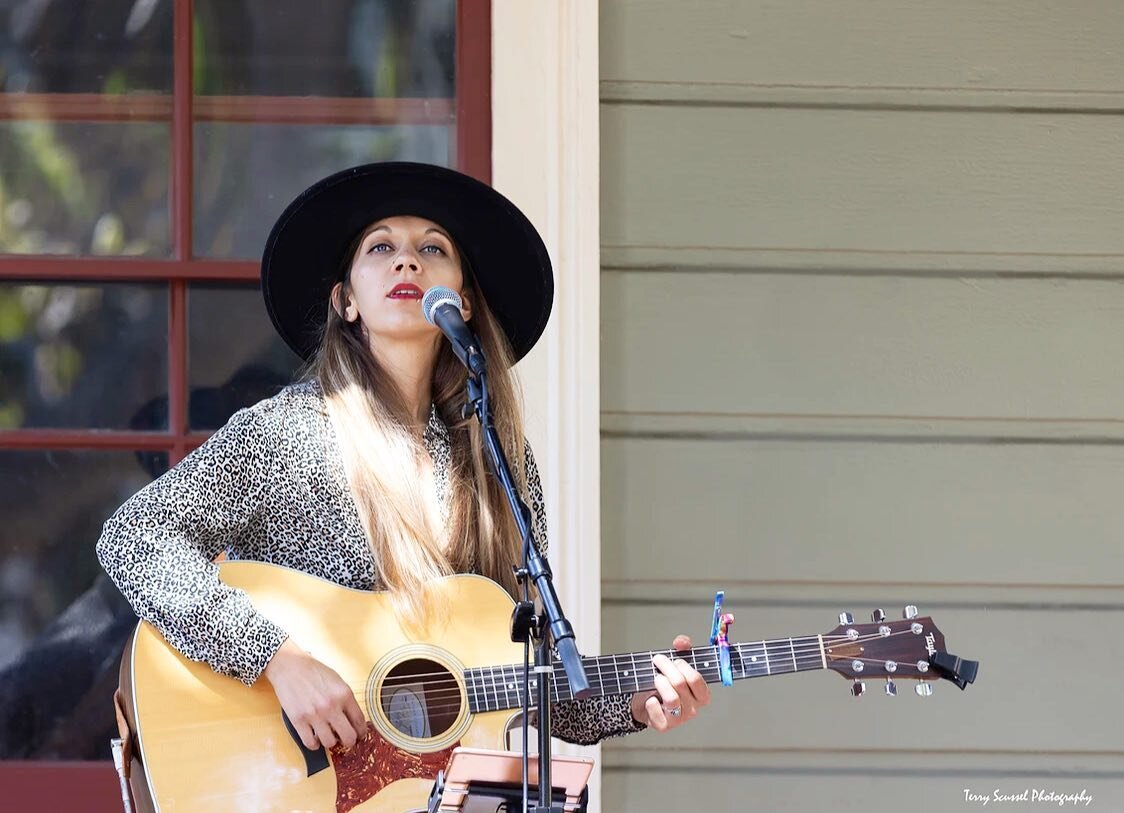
point(379, 248)
point(438, 249)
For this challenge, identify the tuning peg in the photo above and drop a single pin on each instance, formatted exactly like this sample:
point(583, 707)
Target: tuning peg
point(924, 689)
point(846, 618)
point(878, 616)
point(858, 688)
point(891, 688)
point(909, 611)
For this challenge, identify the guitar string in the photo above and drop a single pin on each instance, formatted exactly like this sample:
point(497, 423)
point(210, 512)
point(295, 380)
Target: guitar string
point(559, 695)
point(492, 693)
point(784, 654)
point(500, 680)
point(784, 650)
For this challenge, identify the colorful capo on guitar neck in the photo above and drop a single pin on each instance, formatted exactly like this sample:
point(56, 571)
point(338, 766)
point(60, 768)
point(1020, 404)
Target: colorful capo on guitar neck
point(719, 630)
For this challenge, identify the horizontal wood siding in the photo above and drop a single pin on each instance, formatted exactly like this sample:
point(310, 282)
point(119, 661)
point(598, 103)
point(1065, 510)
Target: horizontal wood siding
point(862, 346)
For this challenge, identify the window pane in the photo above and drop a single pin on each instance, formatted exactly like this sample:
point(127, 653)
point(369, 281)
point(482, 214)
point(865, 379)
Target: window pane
point(93, 46)
point(62, 623)
point(235, 356)
point(364, 48)
point(84, 188)
point(246, 174)
point(78, 356)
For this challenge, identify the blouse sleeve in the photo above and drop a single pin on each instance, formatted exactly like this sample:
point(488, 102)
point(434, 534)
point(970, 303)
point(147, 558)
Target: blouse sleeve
point(582, 722)
point(159, 547)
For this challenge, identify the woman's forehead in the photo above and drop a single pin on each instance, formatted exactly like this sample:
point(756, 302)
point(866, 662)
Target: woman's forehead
point(407, 223)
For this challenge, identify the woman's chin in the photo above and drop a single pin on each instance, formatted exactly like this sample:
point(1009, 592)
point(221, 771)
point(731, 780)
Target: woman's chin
point(404, 332)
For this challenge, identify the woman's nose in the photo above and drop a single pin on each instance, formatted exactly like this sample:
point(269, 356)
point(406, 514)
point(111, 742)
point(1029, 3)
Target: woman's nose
point(406, 260)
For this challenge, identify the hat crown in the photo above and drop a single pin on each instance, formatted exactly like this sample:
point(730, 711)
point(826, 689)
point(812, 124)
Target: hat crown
point(305, 250)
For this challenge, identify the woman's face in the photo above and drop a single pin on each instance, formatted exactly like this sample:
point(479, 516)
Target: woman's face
point(398, 260)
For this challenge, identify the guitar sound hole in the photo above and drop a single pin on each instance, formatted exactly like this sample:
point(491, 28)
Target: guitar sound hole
point(420, 698)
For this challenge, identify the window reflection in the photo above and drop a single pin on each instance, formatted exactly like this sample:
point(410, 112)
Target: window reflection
point(93, 46)
point(361, 48)
point(95, 356)
point(62, 623)
point(84, 188)
point(74, 356)
point(246, 174)
point(236, 357)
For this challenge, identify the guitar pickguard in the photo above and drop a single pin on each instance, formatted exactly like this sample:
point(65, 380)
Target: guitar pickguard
point(373, 763)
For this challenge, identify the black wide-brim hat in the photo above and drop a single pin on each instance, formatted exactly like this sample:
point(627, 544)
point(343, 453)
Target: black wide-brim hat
point(304, 255)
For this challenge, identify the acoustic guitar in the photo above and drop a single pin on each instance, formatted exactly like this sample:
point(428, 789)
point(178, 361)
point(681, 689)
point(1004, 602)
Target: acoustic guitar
point(208, 743)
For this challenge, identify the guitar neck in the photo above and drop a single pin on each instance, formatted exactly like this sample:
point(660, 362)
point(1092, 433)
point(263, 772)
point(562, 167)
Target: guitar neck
point(496, 688)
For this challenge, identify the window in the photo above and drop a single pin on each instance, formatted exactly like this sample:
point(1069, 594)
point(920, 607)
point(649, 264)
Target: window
point(146, 146)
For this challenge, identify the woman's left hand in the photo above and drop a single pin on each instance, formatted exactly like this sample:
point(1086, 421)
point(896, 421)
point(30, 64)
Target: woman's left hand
point(680, 692)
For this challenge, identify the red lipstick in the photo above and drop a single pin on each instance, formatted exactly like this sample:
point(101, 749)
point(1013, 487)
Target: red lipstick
point(405, 290)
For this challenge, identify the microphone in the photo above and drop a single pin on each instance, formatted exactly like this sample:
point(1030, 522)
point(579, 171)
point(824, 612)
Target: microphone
point(442, 309)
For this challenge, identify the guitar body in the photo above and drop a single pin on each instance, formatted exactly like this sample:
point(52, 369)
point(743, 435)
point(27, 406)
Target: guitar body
point(210, 743)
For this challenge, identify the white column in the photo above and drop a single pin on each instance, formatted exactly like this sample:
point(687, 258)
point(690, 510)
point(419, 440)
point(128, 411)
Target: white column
point(545, 157)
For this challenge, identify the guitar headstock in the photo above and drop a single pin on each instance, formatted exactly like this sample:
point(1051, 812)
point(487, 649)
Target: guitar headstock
point(912, 648)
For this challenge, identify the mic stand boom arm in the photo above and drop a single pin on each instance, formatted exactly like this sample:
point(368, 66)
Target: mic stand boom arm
point(536, 567)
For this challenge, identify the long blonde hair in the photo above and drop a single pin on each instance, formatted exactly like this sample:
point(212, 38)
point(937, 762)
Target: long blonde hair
point(380, 453)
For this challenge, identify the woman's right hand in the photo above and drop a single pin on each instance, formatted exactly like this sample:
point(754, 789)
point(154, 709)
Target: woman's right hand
point(320, 705)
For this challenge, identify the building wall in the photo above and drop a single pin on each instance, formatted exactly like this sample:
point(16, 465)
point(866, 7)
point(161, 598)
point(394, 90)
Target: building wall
point(862, 346)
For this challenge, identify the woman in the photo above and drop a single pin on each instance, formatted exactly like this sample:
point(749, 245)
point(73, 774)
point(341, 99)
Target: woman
point(365, 473)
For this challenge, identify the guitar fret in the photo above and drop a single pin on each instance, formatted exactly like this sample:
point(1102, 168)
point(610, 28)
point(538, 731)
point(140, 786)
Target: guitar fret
point(758, 659)
point(510, 687)
point(501, 687)
point(710, 665)
point(778, 658)
point(704, 667)
point(495, 687)
point(560, 684)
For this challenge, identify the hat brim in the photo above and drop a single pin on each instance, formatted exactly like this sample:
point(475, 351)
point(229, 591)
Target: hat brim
point(304, 253)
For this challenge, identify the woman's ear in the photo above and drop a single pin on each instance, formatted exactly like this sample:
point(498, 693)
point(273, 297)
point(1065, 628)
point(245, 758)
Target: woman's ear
point(346, 309)
point(466, 305)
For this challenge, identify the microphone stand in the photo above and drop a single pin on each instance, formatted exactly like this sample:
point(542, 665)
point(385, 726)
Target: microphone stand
point(551, 624)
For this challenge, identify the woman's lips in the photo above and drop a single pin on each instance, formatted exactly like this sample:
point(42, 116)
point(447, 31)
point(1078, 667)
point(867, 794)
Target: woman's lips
point(405, 292)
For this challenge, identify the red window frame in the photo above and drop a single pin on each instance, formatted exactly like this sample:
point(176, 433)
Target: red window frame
point(33, 785)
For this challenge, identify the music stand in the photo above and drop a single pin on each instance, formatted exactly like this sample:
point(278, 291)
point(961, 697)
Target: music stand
point(481, 781)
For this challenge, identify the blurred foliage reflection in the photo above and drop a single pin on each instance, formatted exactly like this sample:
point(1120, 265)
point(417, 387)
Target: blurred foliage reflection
point(80, 356)
point(94, 356)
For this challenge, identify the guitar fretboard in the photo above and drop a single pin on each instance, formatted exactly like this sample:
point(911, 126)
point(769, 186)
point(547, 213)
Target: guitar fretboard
point(494, 688)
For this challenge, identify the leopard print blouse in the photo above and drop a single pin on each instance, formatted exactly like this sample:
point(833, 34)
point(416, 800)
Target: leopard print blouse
point(270, 486)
